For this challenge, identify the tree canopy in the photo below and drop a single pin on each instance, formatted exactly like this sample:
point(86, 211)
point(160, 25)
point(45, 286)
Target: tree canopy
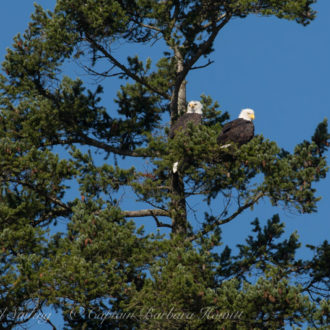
point(61, 152)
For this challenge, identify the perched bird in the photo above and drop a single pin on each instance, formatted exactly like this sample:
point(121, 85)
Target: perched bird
point(240, 130)
point(193, 115)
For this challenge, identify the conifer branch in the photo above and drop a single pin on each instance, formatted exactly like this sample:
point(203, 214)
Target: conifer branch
point(55, 213)
point(86, 140)
point(53, 199)
point(98, 144)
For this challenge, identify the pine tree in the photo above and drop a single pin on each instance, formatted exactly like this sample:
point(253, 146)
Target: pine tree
point(61, 151)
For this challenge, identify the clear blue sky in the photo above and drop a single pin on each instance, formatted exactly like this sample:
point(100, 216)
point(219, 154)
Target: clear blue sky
point(278, 68)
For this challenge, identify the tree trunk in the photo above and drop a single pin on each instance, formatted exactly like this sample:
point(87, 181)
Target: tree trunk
point(178, 205)
point(182, 98)
point(178, 202)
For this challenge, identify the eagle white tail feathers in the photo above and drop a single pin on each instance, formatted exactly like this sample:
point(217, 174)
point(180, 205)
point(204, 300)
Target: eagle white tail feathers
point(175, 167)
point(225, 145)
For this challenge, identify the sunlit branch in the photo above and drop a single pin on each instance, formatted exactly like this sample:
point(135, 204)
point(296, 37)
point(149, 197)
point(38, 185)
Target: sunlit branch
point(146, 213)
point(221, 17)
point(150, 27)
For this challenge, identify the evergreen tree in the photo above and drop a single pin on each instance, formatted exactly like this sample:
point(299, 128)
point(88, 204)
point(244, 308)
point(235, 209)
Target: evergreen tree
point(56, 138)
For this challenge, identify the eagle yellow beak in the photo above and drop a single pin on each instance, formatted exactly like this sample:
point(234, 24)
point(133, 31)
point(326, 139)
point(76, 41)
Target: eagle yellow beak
point(252, 116)
point(192, 105)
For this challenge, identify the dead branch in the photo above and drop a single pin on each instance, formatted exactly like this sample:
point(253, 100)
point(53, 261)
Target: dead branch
point(220, 222)
point(128, 72)
point(146, 213)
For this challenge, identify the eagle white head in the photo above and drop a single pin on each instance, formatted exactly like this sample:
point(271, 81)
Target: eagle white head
point(195, 107)
point(247, 114)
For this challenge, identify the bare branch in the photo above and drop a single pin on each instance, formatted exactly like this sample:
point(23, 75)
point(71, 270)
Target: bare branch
point(218, 20)
point(104, 74)
point(128, 72)
point(46, 319)
point(202, 66)
point(161, 224)
point(55, 213)
point(206, 44)
point(98, 144)
point(184, 67)
point(85, 140)
point(51, 324)
point(146, 213)
point(53, 199)
point(29, 315)
point(220, 222)
point(150, 27)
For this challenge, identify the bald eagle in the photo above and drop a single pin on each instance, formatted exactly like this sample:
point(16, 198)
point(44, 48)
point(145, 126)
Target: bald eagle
point(193, 115)
point(240, 130)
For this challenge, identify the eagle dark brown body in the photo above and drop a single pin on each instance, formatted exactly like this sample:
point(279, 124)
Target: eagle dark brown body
point(193, 116)
point(239, 131)
point(182, 123)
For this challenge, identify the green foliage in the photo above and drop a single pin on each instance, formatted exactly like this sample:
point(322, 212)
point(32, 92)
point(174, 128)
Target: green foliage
point(66, 240)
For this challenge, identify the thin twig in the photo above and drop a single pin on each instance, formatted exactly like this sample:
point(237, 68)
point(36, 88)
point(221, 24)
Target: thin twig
point(104, 74)
point(202, 66)
point(161, 224)
point(85, 140)
point(220, 222)
point(128, 72)
point(206, 44)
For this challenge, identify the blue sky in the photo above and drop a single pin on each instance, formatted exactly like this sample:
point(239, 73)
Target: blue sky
point(278, 68)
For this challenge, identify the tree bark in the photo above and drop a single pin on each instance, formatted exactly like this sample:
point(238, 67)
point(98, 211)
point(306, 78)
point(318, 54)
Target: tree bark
point(182, 98)
point(178, 202)
point(146, 213)
point(178, 205)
